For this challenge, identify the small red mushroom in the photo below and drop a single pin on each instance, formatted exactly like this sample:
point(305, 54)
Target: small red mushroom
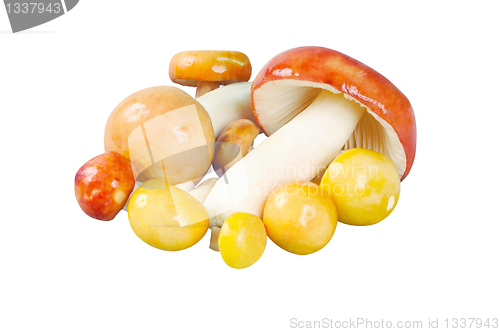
point(103, 185)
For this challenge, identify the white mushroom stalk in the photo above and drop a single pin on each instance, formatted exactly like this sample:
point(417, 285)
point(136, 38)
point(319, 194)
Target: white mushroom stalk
point(201, 192)
point(227, 104)
point(280, 101)
point(299, 150)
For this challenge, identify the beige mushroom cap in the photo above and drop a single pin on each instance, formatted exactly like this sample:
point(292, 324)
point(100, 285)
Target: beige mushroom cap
point(226, 67)
point(163, 131)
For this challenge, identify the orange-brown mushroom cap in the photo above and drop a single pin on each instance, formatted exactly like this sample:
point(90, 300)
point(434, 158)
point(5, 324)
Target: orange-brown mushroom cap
point(189, 67)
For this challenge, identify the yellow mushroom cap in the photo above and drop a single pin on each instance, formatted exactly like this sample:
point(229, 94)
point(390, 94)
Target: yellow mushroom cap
point(226, 67)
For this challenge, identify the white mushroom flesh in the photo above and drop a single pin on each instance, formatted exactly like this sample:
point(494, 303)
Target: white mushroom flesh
point(227, 104)
point(202, 190)
point(278, 102)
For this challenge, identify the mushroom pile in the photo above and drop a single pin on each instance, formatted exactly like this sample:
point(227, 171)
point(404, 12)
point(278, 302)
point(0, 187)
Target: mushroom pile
point(340, 138)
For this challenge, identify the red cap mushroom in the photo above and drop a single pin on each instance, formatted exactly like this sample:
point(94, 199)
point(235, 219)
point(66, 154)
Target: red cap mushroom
point(293, 79)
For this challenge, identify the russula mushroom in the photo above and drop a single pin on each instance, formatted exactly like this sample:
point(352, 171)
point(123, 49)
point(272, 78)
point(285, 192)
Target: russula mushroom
point(314, 102)
point(207, 70)
point(291, 81)
point(234, 143)
point(103, 185)
point(164, 132)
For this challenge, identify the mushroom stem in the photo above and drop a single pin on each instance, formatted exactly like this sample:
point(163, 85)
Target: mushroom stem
point(298, 151)
point(205, 86)
point(201, 192)
point(227, 104)
point(214, 238)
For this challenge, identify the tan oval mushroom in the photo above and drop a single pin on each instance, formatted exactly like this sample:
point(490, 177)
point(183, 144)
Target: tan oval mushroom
point(164, 132)
point(207, 70)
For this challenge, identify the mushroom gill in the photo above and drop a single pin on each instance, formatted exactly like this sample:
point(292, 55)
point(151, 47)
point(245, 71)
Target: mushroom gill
point(280, 101)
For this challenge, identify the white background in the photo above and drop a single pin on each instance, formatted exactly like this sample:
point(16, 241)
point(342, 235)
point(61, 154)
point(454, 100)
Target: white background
point(436, 256)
